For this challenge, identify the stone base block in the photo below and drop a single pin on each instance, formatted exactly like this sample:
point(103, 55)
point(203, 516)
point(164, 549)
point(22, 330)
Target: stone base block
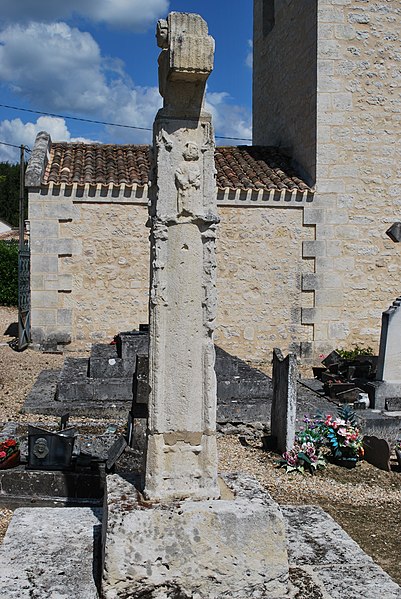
point(181, 466)
point(234, 547)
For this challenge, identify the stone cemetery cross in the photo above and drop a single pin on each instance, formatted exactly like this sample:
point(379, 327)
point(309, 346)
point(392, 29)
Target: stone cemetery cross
point(181, 459)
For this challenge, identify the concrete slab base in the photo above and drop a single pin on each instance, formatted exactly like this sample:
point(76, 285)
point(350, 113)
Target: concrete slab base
point(54, 552)
point(320, 551)
point(194, 549)
point(51, 552)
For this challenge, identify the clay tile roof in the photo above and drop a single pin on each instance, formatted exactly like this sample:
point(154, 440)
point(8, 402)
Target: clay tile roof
point(255, 167)
point(238, 167)
point(96, 163)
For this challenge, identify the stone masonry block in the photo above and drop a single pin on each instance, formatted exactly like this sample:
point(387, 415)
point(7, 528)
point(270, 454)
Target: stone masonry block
point(334, 248)
point(320, 332)
point(44, 229)
point(51, 282)
point(328, 153)
point(37, 282)
point(338, 330)
point(52, 246)
point(64, 317)
point(311, 249)
point(326, 232)
point(58, 560)
point(219, 548)
point(311, 281)
point(323, 262)
point(60, 209)
point(344, 32)
point(342, 101)
point(331, 118)
point(329, 49)
point(339, 171)
point(43, 299)
point(312, 216)
point(332, 280)
point(64, 283)
point(331, 186)
point(41, 317)
point(308, 315)
point(337, 217)
point(329, 14)
point(35, 209)
point(328, 297)
point(43, 264)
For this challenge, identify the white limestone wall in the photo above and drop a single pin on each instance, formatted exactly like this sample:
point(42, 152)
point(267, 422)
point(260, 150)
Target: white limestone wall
point(348, 134)
point(284, 78)
point(358, 176)
point(90, 273)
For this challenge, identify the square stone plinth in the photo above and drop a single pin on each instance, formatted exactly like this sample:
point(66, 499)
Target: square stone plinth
point(212, 549)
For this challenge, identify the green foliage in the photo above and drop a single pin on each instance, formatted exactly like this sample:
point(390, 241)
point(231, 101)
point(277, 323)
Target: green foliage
point(354, 353)
point(345, 412)
point(9, 193)
point(8, 273)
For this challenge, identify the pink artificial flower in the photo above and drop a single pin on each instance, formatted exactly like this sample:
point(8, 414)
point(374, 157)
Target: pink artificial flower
point(2, 455)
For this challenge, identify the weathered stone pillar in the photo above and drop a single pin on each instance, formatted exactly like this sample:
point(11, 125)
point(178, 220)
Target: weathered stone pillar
point(181, 444)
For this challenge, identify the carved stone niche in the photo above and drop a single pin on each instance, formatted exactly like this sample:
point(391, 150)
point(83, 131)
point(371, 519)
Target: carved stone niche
point(185, 62)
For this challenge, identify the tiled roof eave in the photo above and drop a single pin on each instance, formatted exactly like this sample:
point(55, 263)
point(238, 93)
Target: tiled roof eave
point(138, 194)
point(98, 192)
point(263, 197)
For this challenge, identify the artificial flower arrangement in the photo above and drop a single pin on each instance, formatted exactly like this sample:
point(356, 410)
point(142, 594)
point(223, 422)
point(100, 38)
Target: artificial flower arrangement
point(301, 457)
point(341, 435)
point(9, 453)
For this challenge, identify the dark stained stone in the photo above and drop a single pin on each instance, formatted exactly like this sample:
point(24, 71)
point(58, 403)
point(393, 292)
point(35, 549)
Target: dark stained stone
point(377, 452)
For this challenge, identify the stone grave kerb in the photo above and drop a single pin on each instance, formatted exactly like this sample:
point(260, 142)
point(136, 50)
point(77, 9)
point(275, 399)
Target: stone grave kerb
point(181, 454)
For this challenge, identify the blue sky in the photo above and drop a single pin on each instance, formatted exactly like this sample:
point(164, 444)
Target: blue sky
point(97, 59)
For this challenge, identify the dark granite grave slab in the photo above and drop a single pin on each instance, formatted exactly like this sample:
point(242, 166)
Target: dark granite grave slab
point(130, 344)
point(105, 363)
point(242, 391)
point(19, 486)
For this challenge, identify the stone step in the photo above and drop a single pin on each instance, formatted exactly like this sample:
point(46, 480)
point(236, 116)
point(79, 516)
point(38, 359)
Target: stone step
point(51, 552)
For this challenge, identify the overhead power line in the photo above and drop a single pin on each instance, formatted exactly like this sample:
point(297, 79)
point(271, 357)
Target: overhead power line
point(96, 122)
point(4, 143)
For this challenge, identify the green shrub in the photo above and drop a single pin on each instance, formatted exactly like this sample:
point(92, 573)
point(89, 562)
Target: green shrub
point(352, 354)
point(8, 273)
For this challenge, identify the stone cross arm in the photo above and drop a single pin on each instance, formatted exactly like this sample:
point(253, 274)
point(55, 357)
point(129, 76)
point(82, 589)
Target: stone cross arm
point(187, 52)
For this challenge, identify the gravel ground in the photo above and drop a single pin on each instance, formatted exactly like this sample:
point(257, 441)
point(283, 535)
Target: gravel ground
point(365, 500)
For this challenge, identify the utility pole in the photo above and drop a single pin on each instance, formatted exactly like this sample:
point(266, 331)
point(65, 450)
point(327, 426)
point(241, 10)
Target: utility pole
point(21, 199)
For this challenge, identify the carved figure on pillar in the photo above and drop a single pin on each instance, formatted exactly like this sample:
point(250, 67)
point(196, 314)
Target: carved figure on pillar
point(188, 180)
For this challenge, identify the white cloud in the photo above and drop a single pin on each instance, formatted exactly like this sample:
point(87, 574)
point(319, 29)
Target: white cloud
point(53, 65)
point(249, 56)
point(16, 132)
point(229, 119)
point(128, 14)
point(59, 69)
